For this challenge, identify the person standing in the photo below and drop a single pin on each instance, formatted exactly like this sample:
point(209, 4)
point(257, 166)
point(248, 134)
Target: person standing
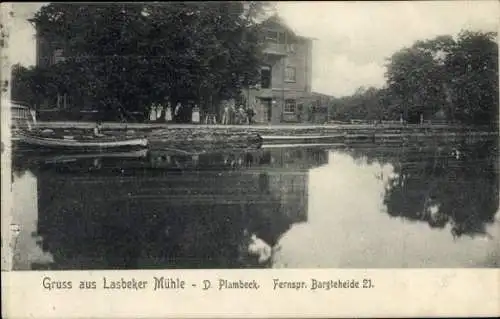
point(33, 115)
point(177, 112)
point(195, 114)
point(226, 115)
point(168, 113)
point(186, 112)
point(250, 115)
point(159, 111)
point(152, 113)
point(242, 115)
point(97, 129)
point(232, 114)
point(236, 116)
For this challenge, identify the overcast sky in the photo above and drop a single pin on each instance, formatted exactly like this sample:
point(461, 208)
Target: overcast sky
point(353, 38)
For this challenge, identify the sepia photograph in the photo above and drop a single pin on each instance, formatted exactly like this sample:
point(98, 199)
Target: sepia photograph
point(252, 135)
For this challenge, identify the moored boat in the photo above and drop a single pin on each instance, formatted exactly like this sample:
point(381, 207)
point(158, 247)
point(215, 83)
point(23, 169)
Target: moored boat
point(74, 157)
point(281, 139)
point(79, 144)
point(302, 145)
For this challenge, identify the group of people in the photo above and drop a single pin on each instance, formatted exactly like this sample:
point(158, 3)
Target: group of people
point(165, 113)
point(158, 112)
point(191, 113)
point(241, 115)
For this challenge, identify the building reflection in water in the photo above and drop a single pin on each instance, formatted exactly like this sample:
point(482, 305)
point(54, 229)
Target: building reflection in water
point(171, 210)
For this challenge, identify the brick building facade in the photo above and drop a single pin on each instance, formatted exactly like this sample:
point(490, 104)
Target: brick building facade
point(286, 76)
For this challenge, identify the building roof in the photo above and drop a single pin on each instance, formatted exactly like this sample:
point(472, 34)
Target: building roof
point(276, 20)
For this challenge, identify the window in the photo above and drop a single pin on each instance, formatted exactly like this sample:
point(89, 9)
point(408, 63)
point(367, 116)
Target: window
point(276, 37)
point(272, 36)
point(265, 77)
point(282, 38)
point(290, 106)
point(290, 74)
point(58, 56)
point(62, 101)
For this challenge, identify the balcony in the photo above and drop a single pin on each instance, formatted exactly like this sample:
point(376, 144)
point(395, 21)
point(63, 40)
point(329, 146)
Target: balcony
point(275, 49)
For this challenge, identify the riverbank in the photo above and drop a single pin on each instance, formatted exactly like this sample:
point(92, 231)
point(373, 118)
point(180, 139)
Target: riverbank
point(302, 128)
point(161, 134)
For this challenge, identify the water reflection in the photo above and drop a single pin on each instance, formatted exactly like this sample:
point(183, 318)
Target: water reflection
point(456, 188)
point(168, 209)
point(438, 198)
point(411, 206)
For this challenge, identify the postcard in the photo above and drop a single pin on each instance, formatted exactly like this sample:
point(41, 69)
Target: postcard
point(250, 159)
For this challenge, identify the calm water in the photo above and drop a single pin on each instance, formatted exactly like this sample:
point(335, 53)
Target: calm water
point(401, 206)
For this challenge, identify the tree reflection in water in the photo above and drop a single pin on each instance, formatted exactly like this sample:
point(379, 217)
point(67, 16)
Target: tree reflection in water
point(436, 186)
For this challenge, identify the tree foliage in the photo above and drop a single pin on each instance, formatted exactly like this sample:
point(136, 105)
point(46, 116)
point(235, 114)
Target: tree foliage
point(32, 84)
point(125, 57)
point(473, 68)
point(456, 76)
point(364, 104)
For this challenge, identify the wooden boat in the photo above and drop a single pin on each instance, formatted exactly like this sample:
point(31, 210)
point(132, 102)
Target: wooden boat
point(113, 162)
point(303, 145)
point(84, 156)
point(71, 143)
point(281, 139)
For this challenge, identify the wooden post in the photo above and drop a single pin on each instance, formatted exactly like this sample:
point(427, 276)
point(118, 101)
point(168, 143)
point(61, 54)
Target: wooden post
point(327, 111)
point(283, 105)
point(248, 97)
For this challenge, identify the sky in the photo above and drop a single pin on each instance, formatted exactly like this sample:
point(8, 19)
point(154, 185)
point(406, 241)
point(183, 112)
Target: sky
point(353, 38)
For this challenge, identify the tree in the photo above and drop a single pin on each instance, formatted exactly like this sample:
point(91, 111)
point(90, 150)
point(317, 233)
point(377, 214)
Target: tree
point(125, 57)
point(458, 76)
point(416, 75)
point(32, 85)
point(472, 66)
point(365, 103)
point(21, 88)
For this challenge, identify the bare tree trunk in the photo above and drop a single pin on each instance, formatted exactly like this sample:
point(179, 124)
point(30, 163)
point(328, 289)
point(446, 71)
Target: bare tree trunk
point(449, 102)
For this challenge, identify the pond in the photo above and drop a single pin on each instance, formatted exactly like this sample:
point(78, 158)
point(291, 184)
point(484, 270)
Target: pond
point(369, 206)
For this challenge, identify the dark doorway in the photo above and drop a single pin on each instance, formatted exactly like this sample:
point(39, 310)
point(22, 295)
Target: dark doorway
point(268, 106)
point(265, 77)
